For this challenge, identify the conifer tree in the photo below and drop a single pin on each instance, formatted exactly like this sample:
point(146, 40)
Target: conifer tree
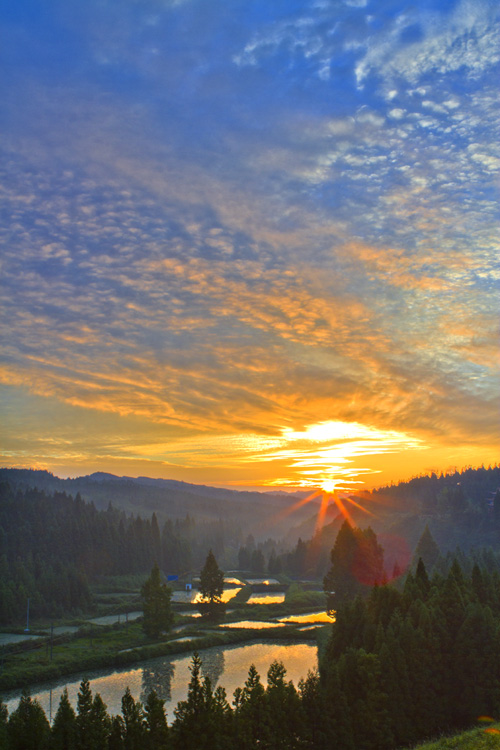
point(28, 727)
point(116, 734)
point(427, 549)
point(84, 714)
point(211, 587)
point(4, 714)
point(357, 564)
point(158, 615)
point(156, 723)
point(64, 725)
point(134, 721)
point(283, 711)
point(250, 709)
point(315, 732)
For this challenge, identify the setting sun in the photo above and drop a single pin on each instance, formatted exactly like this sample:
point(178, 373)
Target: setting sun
point(328, 485)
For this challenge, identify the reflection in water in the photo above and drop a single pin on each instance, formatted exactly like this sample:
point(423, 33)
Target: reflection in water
point(193, 597)
point(298, 658)
point(227, 595)
point(212, 665)
point(276, 598)
point(262, 581)
point(252, 624)
point(157, 676)
point(309, 617)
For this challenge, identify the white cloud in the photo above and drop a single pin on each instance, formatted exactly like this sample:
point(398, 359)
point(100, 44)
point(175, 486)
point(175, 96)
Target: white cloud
point(397, 113)
point(469, 39)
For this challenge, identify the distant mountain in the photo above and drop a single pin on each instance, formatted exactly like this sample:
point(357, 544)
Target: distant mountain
point(262, 514)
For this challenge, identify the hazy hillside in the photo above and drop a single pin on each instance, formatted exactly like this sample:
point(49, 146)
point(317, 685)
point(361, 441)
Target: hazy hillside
point(261, 514)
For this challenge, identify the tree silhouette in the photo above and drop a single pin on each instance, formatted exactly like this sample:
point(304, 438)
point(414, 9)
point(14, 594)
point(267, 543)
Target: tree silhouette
point(211, 588)
point(156, 596)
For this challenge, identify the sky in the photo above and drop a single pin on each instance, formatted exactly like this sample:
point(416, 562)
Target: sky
point(250, 243)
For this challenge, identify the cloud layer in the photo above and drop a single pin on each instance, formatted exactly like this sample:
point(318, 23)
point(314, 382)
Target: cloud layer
point(221, 226)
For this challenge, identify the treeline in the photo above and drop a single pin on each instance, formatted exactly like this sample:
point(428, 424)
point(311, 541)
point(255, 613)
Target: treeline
point(271, 716)
point(400, 666)
point(419, 662)
point(51, 546)
point(462, 509)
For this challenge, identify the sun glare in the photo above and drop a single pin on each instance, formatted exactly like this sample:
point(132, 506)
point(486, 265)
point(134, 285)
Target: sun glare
point(326, 455)
point(328, 485)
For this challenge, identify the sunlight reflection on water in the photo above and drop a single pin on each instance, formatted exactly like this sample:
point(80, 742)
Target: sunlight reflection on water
point(309, 617)
point(252, 624)
point(275, 598)
point(169, 676)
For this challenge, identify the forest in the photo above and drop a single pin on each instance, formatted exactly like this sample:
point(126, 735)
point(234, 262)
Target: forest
point(399, 666)
point(53, 546)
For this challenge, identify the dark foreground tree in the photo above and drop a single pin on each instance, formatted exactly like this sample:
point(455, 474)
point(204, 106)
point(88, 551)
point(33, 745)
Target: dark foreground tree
point(211, 587)
point(156, 597)
point(357, 564)
point(64, 726)
point(28, 728)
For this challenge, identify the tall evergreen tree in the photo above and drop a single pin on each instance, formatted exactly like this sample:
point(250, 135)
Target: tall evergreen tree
point(250, 711)
point(155, 595)
point(211, 587)
point(427, 549)
point(134, 721)
point(28, 728)
point(357, 564)
point(157, 737)
point(64, 725)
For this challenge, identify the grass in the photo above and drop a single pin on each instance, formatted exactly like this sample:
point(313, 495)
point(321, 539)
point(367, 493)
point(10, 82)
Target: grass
point(480, 738)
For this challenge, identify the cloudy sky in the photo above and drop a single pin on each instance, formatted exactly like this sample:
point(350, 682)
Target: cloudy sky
point(250, 243)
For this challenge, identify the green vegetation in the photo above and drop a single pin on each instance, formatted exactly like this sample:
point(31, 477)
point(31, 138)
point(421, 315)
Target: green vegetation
point(211, 589)
point(357, 564)
point(418, 662)
point(483, 738)
point(155, 595)
point(53, 547)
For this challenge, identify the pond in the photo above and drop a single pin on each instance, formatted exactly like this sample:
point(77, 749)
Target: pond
point(320, 617)
point(262, 581)
point(252, 624)
point(277, 597)
point(193, 597)
point(169, 675)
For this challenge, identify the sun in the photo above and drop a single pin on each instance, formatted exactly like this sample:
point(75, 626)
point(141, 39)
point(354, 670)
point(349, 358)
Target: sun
point(328, 485)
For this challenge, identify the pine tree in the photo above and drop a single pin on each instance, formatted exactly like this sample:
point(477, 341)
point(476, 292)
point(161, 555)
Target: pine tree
point(134, 721)
point(283, 711)
point(250, 710)
point(190, 725)
point(28, 728)
point(315, 732)
point(4, 714)
point(64, 725)
point(84, 714)
point(357, 564)
point(156, 723)
point(211, 588)
point(158, 615)
point(427, 549)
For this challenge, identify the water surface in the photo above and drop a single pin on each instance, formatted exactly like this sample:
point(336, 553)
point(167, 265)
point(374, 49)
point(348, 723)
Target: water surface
point(169, 676)
point(277, 597)
point(320, 616)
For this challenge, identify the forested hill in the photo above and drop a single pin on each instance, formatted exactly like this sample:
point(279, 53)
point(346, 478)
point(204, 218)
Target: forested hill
point(260, 513)
point(462, 509)
point(52, 545)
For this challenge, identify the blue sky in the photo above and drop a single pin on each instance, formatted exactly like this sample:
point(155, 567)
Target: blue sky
point(225, 224)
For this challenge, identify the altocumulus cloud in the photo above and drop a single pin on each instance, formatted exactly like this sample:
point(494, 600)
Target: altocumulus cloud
point(246, 221)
